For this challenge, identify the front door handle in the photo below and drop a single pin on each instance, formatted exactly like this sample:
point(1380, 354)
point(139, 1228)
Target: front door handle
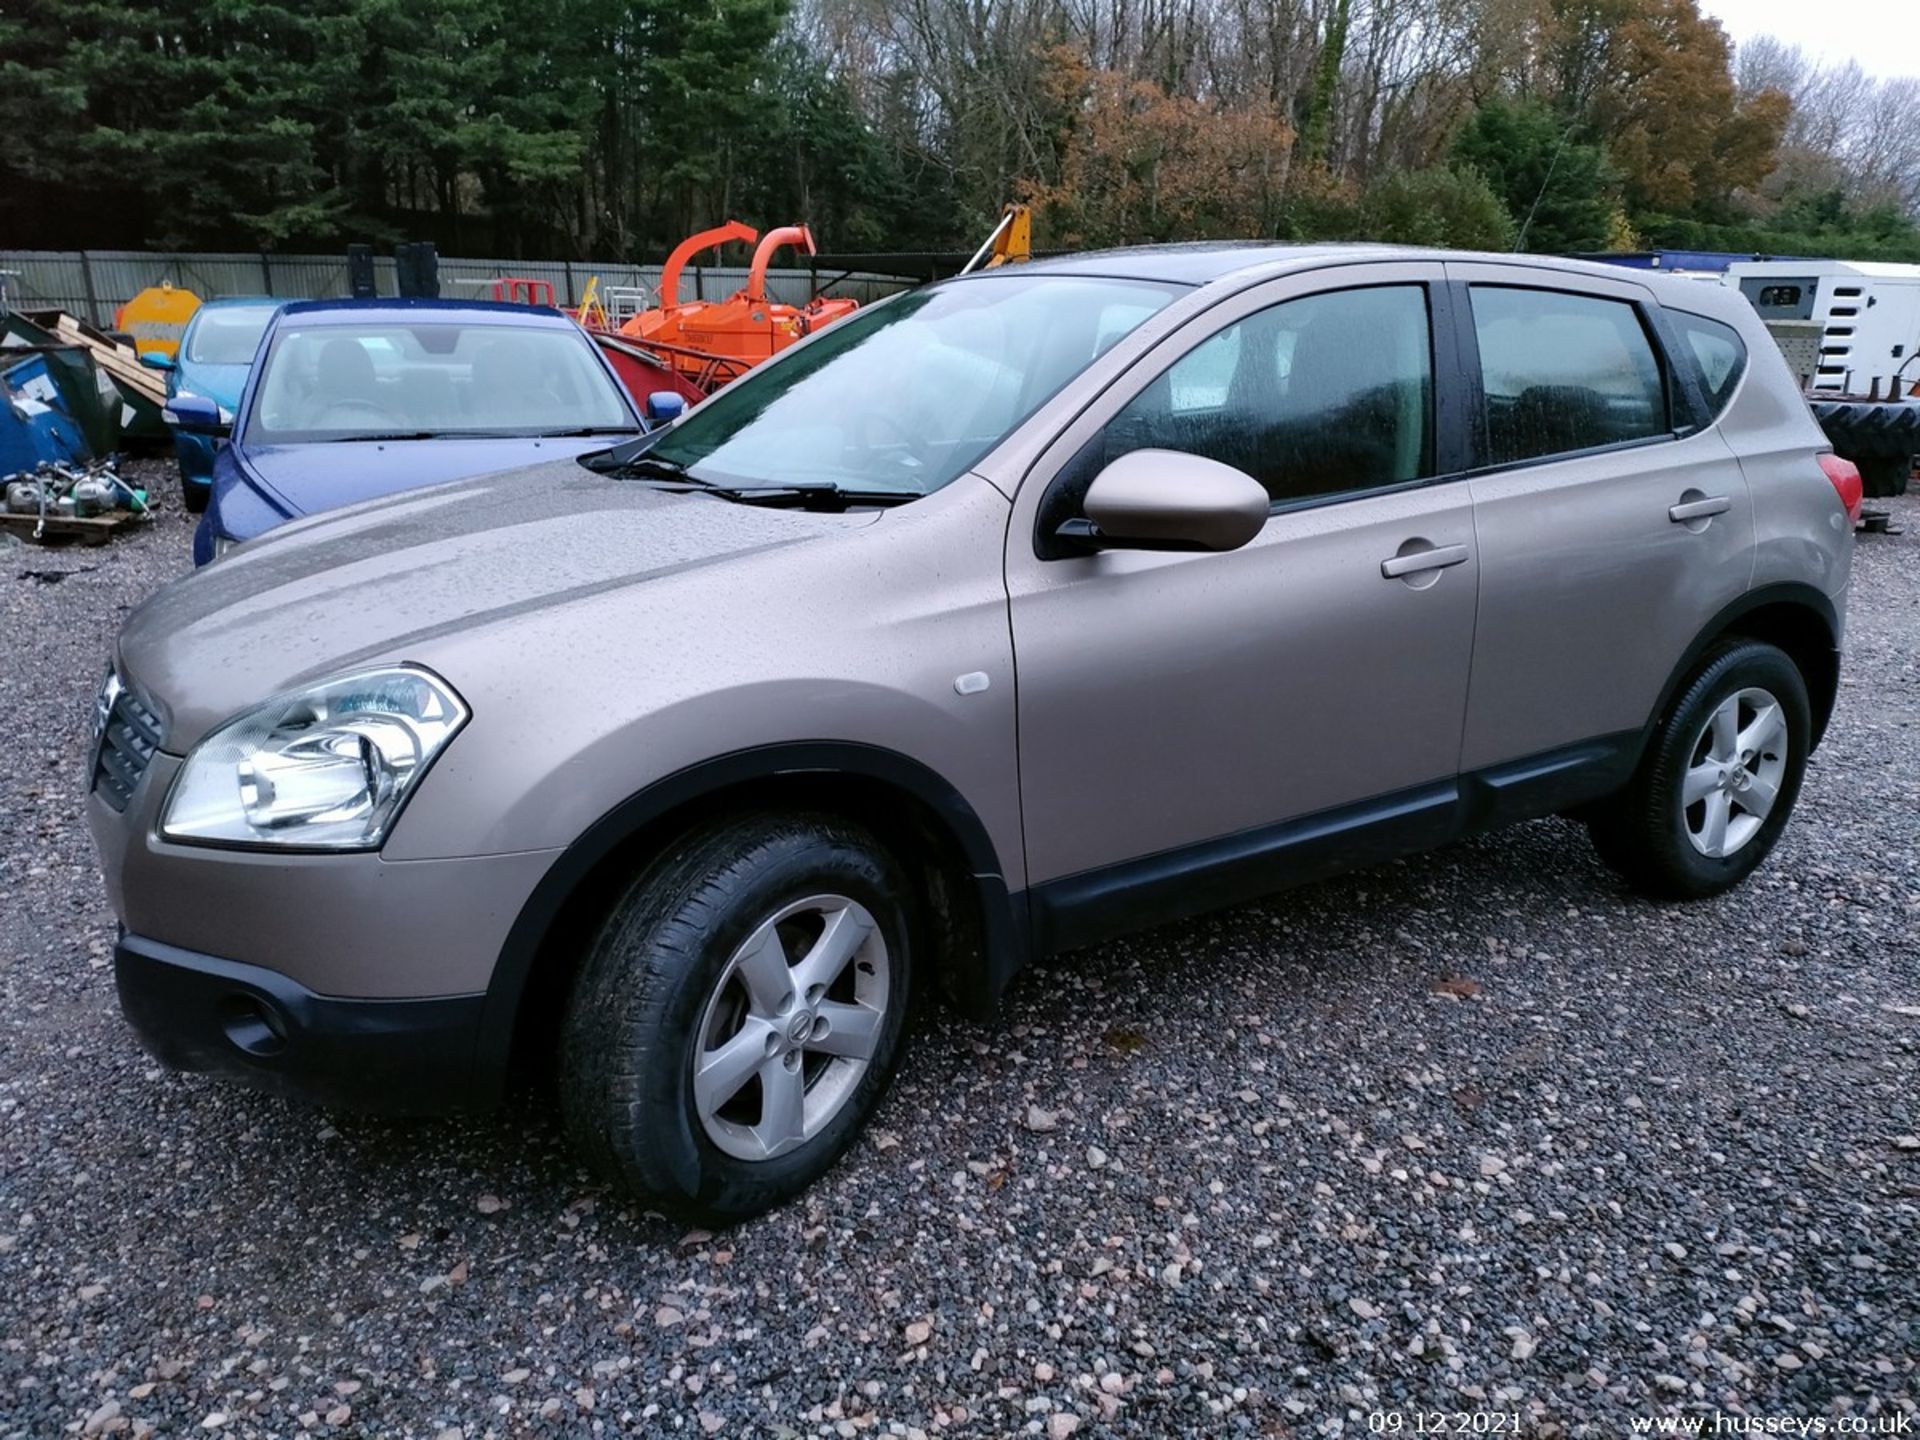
point(1701, 509)
point(1416, 561)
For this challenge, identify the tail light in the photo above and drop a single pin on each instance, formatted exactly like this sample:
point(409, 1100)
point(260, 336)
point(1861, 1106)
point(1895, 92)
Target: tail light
point(1845, 476)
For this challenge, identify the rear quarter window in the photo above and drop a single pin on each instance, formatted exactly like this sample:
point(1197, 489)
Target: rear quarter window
point(1719, 355)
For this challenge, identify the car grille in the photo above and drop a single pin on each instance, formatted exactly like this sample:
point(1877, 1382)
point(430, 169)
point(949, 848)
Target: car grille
point(127, 744)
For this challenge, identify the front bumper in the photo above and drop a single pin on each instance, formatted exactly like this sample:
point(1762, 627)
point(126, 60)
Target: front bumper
point(348, 978)
point(352, 923)
point(198, 1012)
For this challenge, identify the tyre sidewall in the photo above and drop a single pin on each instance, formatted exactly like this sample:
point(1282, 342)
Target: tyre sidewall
point(788, 862)
point(1742, 666)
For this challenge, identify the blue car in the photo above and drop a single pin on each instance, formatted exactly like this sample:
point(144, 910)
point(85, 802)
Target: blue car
point(354, 399)
point(216, 352)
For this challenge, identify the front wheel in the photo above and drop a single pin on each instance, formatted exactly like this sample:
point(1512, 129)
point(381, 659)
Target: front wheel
point(194, 495)
point(739, 1015)
point(1719, 779)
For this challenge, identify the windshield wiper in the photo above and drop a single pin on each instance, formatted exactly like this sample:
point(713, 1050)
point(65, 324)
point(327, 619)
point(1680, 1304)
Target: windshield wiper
point(583, 430)
point(390, 435)
point(630, 458)
point(670, 475)
point(797, 492)
point(643, 466)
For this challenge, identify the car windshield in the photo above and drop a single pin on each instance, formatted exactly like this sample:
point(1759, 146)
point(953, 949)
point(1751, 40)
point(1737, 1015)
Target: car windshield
point(227, 334)
point(434, 378)
point(907, 396)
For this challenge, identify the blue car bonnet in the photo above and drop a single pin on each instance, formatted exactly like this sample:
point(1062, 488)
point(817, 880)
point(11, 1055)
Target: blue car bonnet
point(260, 481)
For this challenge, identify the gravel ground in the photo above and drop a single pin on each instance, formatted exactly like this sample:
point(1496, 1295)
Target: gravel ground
point(1473, 1132)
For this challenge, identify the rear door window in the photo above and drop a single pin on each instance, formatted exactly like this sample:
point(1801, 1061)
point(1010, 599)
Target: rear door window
point(1563, 373)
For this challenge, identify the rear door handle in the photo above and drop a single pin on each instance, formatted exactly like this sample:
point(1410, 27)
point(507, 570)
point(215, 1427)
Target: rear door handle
point(1699, 509)
point(1413, 563)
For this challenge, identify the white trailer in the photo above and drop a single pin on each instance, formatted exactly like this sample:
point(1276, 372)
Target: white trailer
point(1847, 327)
point(1850, 330)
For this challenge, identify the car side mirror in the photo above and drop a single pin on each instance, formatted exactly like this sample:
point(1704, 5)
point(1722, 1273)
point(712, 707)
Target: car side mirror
point(664, 407)
point(156, 360)
point(1168, 500)
point(195, 415)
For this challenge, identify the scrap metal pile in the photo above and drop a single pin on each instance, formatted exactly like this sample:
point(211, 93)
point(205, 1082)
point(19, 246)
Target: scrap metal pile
point(54, 495)
point(69, 396)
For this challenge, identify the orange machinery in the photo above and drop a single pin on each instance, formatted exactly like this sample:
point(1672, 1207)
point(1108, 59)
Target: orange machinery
point(712, 342)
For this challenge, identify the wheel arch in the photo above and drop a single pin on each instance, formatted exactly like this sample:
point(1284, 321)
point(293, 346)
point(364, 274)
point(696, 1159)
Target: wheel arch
point(1796, 618)
point(978, 931)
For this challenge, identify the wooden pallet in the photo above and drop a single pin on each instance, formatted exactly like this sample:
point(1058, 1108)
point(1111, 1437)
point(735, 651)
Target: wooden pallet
point(119, 361)
point(62, 529)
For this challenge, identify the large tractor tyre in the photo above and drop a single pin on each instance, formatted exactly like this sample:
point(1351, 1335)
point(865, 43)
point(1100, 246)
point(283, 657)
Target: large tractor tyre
point(1862, 431)
point(1844, 428)
point(1884, 475)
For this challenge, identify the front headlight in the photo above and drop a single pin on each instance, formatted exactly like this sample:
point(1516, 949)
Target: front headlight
point(325, 768)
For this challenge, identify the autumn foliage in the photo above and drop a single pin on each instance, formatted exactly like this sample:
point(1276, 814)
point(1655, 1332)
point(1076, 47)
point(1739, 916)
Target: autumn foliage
point(1138, 164)
point(611, 128)
point(1662, 94)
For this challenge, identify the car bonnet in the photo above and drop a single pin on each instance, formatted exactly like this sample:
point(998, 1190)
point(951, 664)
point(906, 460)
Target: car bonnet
point(381, 581)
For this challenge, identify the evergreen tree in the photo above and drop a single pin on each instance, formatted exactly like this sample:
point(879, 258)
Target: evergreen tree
point(1557, 186)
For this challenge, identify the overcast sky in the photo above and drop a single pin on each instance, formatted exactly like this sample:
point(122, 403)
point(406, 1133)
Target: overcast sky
point(1883, 35)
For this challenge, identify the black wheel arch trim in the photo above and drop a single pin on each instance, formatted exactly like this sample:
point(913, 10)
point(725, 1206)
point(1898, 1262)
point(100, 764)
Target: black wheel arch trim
point(1004, 938)
point(1786, 592)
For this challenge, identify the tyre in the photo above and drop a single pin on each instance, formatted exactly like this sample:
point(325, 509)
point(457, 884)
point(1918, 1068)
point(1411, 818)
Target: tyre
point(1718, 781)
point(739, 1014)
point(193, 496)
point(1882, 476)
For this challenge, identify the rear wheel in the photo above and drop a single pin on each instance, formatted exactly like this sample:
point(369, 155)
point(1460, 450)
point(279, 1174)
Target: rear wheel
point(739, 1015)
point(1719, 779)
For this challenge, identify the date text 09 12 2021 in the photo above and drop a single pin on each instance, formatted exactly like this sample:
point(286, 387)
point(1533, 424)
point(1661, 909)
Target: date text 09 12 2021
point(1444, 1422)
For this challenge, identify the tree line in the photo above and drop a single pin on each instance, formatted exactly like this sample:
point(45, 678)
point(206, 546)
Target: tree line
point(609, 129)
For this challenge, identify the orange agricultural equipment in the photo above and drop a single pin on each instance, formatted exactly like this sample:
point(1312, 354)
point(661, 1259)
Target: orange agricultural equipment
point(520, 290)
point(712, 342)
point(645, 373)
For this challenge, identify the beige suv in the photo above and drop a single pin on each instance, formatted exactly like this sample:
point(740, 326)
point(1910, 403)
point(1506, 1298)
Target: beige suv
point(1002, 617)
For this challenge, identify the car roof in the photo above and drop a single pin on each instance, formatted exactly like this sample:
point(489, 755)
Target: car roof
point(1213, 262)
point(413, 310)
point(222, 300)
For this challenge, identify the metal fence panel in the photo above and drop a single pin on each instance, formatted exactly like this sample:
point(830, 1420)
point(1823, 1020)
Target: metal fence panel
point(96, 283)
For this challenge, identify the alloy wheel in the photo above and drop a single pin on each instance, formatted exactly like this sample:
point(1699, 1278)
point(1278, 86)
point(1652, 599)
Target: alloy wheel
point(1732, 782)
point(791, 1027)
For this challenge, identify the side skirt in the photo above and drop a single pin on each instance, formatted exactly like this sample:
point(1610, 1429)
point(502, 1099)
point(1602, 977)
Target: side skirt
point(1097, 905)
